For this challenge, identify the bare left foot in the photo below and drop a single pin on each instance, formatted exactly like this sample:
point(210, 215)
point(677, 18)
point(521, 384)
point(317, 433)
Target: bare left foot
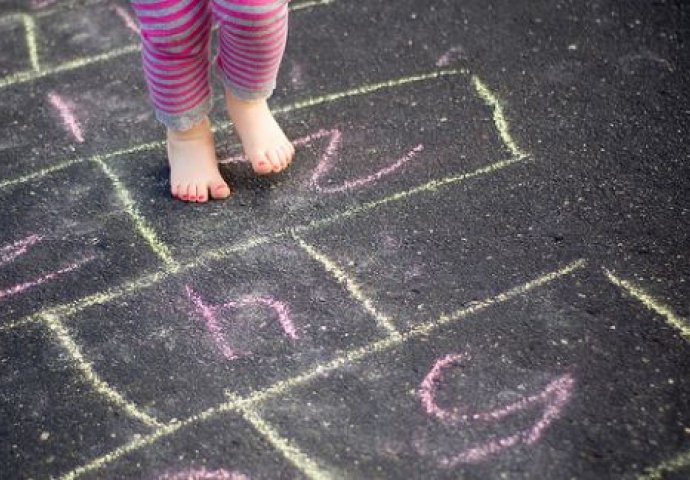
point(193, 166)
point(264, 143)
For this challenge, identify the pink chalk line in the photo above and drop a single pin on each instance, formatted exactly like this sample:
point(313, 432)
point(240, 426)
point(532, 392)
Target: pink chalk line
point(38, 4)
point(10, 252)
point(554, 397)
point(203, 474)
point(67, 116)
point(327, 162)
point(127, 18)
point(34, 283)
point(209, 314)
point(452, 53)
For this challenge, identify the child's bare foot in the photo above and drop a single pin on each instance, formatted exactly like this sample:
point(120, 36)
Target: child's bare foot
point(193, 165)
point(264, 143)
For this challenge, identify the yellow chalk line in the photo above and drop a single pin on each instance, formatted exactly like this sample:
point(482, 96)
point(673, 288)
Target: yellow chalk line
point(64, 338)
point(430, 186)
point(287, 448)
point(350, 356)
point(648, 301)
point(499, 117)
point(40, 173)
point(147, 280)
point(309, 4)
point(350, 285)
point(30, 31)
point(682, 460)
point(424, 329)
point(22, 77)
point(669, 466)
point(353, 92)
point(140, 223)
point(221, 253)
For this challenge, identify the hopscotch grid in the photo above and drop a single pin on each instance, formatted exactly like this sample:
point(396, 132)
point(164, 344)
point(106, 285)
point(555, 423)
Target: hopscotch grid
point(163, 251)
point(361, 90)
point(255, 400)
point(29, 39)
point(289, 450)
point(63, 337)
point(682, 325)
point(143, 228)
point(150, 279)
point(652, 304)
point(28, 76)
point(333, 269)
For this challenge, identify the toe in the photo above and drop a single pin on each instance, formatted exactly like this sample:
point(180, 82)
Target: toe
point(184, 192)
point(261, 164)
point(275, 161)
point(283, 157)
point(174, 190)
point(219, 190)
point(201, 193)
point(195, 193)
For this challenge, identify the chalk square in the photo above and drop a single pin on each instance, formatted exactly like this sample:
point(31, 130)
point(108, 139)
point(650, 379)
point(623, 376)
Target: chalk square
point(110, 108)
point(13, 38)
point(515, 391)
point(445, 249)
point(65, 237)
point(72, 34)
point(224, 447)
point(52, 421)
point(236, 325)
point(348, 155)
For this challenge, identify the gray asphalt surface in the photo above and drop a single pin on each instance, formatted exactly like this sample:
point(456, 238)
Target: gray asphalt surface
point(477, 267)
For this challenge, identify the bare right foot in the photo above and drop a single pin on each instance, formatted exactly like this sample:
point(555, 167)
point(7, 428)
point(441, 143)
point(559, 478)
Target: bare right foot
point(264, 143)
point(194, 170)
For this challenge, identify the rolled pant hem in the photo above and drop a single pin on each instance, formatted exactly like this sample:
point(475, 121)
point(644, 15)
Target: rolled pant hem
point(244, 93)
point(188, 119)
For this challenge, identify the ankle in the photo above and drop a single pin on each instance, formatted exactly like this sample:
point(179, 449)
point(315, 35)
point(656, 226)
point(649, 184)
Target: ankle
point(236, 102)
point(199, 130)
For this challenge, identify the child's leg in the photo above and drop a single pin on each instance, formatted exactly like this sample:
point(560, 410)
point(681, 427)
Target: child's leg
point(175, 51)
point(251, 43)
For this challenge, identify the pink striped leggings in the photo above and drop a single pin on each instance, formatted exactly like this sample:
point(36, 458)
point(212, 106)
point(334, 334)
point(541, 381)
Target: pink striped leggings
point(176, 37)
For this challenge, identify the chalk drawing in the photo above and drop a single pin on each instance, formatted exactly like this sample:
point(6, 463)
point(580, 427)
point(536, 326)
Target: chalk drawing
point(86, 369)
point(453, 53)
point(383, 321)
point(554, 397)
point(328, 160)
point(22, 287)
point(660, 472)
point(345, 358)
point(210, 315)
point(126, 18)
point(68, 117)
point(361, 90)
point(152, 278)
point(38, 4)
point(11, 252)
point(140, 223)
point(287, 447)
point(677, 322)
point(36, 73)
point(29, 39)
point(204, 474)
